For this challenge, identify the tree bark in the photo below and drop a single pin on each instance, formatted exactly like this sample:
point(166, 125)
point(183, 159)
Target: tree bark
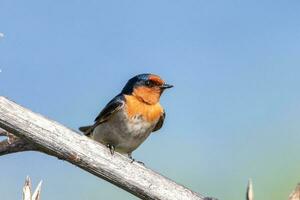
point(38, 133)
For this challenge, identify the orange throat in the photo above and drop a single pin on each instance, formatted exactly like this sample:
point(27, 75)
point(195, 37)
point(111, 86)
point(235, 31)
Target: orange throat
point(147, 95)
point(135, 107)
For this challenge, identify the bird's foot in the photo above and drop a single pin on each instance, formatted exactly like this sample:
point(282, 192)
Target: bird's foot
point(133, 160)
point(111, 148)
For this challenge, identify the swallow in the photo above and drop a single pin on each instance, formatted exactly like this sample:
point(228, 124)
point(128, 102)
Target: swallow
point(131, 116)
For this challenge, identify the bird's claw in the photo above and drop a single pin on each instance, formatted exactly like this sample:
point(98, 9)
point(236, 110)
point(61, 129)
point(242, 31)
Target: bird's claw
point(111, 148)
point(133, 160)
point(140, 162)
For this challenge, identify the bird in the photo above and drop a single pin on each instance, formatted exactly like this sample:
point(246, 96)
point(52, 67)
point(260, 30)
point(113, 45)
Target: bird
point(131, 116)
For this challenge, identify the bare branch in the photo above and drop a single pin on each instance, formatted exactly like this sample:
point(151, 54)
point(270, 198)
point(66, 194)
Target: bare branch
point(53, 138)
point(14, 144)
point(295, 195)
point(2, 132)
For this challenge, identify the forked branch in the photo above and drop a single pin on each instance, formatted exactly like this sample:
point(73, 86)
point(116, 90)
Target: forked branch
point(32, 131)
point(13, 144)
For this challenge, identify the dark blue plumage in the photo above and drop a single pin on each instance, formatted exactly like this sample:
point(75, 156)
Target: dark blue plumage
point(135, 81)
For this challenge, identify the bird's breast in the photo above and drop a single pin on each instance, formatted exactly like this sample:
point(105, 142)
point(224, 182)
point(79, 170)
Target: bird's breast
point(130, 126)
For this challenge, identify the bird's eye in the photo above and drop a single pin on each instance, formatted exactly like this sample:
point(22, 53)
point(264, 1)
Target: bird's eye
point(149, 83)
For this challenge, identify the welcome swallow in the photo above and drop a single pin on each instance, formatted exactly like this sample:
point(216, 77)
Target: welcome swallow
point(129, 118)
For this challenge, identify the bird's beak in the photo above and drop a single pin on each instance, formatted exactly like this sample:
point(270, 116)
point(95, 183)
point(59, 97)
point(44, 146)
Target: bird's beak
point(166, 86)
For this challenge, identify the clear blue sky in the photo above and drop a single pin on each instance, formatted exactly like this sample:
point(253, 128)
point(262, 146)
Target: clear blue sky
point(234, 111)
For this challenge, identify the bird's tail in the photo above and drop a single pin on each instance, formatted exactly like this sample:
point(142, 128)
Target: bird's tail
point(87, 130)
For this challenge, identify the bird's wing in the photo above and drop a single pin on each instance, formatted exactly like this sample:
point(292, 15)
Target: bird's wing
point(113, 106)
point(160, 122)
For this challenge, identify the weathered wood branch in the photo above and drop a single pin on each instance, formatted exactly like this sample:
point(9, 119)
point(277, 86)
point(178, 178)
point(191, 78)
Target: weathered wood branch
point(14, 144)
point(36, 132)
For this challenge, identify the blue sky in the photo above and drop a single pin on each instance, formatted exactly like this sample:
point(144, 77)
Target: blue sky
point(233, 113)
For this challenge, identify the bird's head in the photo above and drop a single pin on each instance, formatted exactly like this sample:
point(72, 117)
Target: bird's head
point(146, 87)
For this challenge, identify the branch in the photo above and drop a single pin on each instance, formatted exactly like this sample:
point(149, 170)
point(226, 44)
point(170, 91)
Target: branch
point(295, 195)
point(14, 144)
point(53, 138)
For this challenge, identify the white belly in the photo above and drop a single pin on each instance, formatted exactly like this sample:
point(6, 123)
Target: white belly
point(123, 133)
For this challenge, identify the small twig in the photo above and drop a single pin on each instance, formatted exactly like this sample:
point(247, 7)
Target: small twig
point(14, 144)
point(3, 132)
point(37, 193)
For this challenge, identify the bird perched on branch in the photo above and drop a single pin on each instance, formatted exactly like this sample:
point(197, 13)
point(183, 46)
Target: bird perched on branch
point(129, 118)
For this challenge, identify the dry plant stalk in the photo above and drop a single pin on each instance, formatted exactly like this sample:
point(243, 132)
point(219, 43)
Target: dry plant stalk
point(250, 193)
point(27, 192)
